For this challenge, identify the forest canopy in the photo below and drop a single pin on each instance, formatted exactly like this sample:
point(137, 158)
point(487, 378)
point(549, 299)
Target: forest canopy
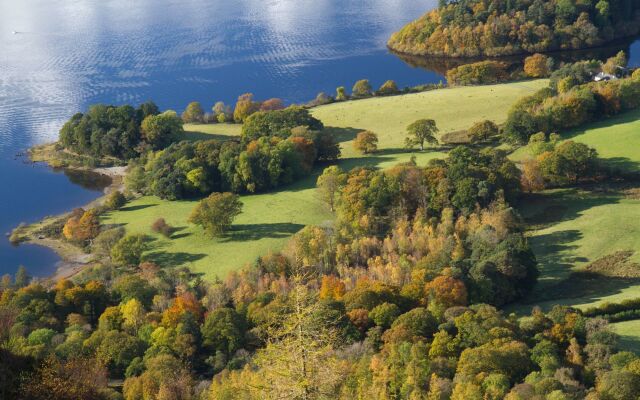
point(472, 28)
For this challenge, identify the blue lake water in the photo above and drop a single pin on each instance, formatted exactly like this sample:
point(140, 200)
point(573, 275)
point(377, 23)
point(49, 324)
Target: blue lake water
point(69, 54)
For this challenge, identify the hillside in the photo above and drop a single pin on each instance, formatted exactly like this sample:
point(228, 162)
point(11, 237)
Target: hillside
point(476, 28)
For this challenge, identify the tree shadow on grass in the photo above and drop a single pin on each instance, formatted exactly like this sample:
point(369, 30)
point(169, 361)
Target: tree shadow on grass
point(553, 252)
point(138, 207)
point(250, 232)
point(343, 134)
point(544, 209)
point(194, 136)
point(167, 259)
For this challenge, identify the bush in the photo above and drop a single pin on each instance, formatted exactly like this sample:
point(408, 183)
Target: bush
point(115, 200)
point(160, 226)
point(366, 142)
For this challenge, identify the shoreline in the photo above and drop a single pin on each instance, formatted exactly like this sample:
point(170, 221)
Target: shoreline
point(72, 258)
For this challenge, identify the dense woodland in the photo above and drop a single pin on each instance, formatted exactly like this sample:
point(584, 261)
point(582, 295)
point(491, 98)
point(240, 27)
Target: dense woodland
point(473, 28)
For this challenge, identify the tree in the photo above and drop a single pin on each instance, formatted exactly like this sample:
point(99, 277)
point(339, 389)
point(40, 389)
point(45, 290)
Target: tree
point(222, 112)
point(341, 94)
point(532, 179)
point(366, 142)
point(483, 130)
point(82, 226)
point(115, 200)
point(388, 88)
point(272, 105)
point(384, 314)
point(223, 330)
point(245, 106)
point(614, 64)
point(361, 89)
point(329, 184)
point(423, 130)
point(298, 361)
point(193, 113)
point(22, 277)
point(537, 66)
point(162, 129)
point(128, 251)
point(217, 212)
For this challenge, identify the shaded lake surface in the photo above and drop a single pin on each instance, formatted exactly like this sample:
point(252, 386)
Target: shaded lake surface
point(68, 54)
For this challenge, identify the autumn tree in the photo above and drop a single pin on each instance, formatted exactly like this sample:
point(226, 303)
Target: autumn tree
point(531, 178)
point(82, 228)
point(537, 66)
point(366, 142)
point(361, 89)
point(298, 361)
point(272, 105)
point(193, 113)
point(329, 184)
point(222, 112)
point(216, 213)
point(388, 88)
point(614, 64)
point(421, 131)
point(245, 106)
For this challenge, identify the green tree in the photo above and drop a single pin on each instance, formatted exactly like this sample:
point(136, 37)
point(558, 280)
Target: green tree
point(329, 184)
point(162, 129)
point(341, 94)
point(482, 131)
point(128, 251)
point(216, 213)
point(223, 330)
point(421, 131)
point(22, 277)
point(193, 113)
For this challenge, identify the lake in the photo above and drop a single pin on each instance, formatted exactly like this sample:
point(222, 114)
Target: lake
point(68, 54)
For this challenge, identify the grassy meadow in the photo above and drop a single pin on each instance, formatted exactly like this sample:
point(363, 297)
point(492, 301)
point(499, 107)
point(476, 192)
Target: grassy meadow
point(453, 109)
point(616, 140)
point(629, 332)
point(270, 219)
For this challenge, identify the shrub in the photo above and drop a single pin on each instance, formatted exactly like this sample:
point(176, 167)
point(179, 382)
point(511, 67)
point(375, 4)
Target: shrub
point(115, 200)
point(160, 226)
point(366, 142)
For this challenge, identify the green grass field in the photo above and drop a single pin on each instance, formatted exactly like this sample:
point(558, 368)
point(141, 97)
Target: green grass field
point(453, 109)
point(629, 332)
point(576, 228)
point(269, 220)
point(211, 131)
point(616, 140)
